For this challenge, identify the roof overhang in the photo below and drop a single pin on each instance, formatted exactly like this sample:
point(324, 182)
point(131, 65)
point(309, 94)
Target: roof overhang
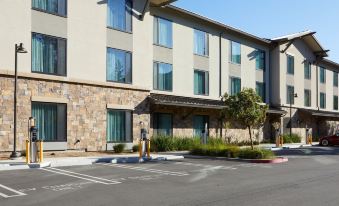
point(181, 101)
point(161, 2)
point(276, 111)
point(320, 113)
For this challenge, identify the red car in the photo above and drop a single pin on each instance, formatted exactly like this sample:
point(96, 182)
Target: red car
point(329, 140)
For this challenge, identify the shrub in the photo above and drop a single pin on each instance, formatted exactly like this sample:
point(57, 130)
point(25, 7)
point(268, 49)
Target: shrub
point(293, 138)
point(256, 154)
point(168, 143)
point(135, 148)
point(119, 148)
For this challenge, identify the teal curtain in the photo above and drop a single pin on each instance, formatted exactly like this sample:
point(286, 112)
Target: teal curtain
point(290, 95)
point(164, 126)
point(116, 126)
point(290, 64)
point(322, 100)
point(199, 122)
point(260, 90)
point(53, 6)
point(200, 83)
point(119, 66)
point(260, 60)
point(335, 102)
point(322, 75)
point(307, 70)
point(46, 120)
point(236, 52)
point(235, 86)
point(163, 32)
point(335, 79)
point(200, 43)
point(307, 98)
point(162, 76)
point(44, 54)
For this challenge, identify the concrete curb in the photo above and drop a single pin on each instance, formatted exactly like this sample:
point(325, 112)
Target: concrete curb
point(263, 161)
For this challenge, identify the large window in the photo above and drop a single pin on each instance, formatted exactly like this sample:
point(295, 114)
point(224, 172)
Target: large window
point(322, 74)
point(290, 95)
point(335, 102)
point(307, 70)
point(119, 66)
point(260, 60)
point(307, 98)
point(200, 43)
point(119, 126)
point(322, 100)
point(260, 90)
point(162, 124)
point(335, 79)
point(235, 52)
point(58, 7)
point(201, 82)
point(119, 14)
point(200, 125)
point(163, 32)
point(51, 121)
point(162, 76)
point(290, 64)
point(235, 85)
point(48, 54)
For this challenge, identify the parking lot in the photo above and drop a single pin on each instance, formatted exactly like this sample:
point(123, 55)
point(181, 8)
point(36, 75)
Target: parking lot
point(186, 182)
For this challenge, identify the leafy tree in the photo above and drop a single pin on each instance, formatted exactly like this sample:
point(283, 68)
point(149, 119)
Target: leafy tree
point(246, 108)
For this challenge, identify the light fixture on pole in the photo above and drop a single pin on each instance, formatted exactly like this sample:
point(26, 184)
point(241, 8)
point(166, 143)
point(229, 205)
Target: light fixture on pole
point(19, 48)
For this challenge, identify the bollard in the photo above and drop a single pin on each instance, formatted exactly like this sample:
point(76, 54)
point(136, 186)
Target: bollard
point(140, 149)
point(277, 141)
point(27, 152)
point(148, 148)
point(310, 139)
point(281, 141)
point(41, 151)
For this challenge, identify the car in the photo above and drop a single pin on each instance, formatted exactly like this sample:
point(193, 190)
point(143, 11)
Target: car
point(329, 140)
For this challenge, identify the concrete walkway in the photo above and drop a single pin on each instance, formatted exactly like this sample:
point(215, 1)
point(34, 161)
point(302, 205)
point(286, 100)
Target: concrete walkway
point(77, 161)
point(287, 146)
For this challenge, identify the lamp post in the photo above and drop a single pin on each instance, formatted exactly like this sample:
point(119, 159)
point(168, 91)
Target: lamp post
point(19, 48)
point(292, 96)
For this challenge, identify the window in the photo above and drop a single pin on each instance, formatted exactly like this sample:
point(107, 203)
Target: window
point(163, 32)
point(335, 79)
point(119, 66)
point(260, 89)
point(119, 15)
point(58, 7)
point(260, 60)
point(200, 124)
point(322, 100)
point(119, 126)
point(335, 102)
point(307, 98)
point(162, 78)
point(48, 54)
point(290, 64)
point(200, 43)
point(307, 70)
point(235, 52)
point(235, 85)
point(322, 75)
point(51, 121)
point(201, 82)
point(290, 95)
point(163, 124)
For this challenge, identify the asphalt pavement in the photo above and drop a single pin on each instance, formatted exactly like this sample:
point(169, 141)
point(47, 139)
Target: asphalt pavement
point(309, 178)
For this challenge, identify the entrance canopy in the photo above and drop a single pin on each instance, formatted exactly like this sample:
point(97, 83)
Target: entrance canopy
point(277, 111)
point(319, 113)
point(180, 101)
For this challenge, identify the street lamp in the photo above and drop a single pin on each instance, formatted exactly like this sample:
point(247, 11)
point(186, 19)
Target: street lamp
point(19, 48)
point(292, 96)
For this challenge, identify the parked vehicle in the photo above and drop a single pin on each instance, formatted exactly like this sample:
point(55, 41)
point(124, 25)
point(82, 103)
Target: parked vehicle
point(329, 140)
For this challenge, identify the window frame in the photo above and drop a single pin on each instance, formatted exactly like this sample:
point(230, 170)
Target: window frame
point(335, 80)
point(207, 42)
point(126, 52)
point(156, 122)
point(335, 103)
point(207, 84)
point(230, 86)
point(308, 66)
point(156, 32)
point(309, 98)
point(52, 13)
point(231, 52)
point(288, 57)
point(57, 119)
point(206, 118)
point(288, 95)
point(263, 98)
point(118, 29)
point(66, 54)
point(322, 94)
point(131, 125)
point(258, 52)
point(155, 87)
point(322, 81)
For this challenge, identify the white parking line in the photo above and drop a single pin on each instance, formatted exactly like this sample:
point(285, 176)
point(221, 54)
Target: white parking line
point(18, 193)
point(82, 176)
point(164, 172)
point(206, 166)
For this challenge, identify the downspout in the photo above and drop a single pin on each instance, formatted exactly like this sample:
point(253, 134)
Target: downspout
point(317, 90)
point(220, 78)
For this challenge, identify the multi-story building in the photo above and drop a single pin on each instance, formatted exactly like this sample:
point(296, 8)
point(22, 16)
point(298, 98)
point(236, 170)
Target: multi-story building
point(98, 71)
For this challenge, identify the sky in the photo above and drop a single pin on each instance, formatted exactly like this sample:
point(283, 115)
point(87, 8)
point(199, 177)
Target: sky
point(274, 18)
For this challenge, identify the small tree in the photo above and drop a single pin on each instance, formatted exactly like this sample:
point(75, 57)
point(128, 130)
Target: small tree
point(246, 108)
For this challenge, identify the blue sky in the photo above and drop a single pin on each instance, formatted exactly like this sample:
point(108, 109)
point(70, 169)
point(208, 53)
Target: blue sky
point(274, 18)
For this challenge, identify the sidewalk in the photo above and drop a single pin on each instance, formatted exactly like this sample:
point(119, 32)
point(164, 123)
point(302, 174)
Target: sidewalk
point(79, 161)
point(287, 146)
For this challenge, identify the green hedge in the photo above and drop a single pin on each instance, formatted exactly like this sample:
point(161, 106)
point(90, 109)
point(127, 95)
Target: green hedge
point(119, 148)
point(167, 143)
point(293, 138)
point(256, 154)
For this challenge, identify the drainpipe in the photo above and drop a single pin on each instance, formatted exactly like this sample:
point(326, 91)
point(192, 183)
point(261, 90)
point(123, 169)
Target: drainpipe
point(220, 62)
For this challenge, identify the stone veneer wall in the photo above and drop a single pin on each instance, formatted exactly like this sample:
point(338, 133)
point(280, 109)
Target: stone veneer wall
point(86, 110)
